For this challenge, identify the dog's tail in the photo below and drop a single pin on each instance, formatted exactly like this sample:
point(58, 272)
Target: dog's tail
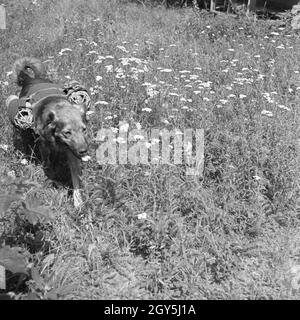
point(28, 68)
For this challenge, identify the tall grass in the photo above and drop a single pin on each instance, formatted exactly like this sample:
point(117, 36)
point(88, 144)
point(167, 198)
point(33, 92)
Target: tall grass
point(150, 232)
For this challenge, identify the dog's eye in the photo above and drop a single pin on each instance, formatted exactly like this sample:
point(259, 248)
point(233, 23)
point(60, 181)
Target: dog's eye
point(67, 134)
point(84, 129)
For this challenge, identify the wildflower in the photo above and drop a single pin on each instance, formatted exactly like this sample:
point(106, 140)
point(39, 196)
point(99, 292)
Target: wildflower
point(142, 216)
point(98, 78)
point(101, 102)
point(86, 158)
point(120, 140)
point(24, 162)
point(109, 68)
point(123, 126)
point(242, 96)
point(114, 130)
point(99, 60)
point(166, 70)
point(62, 51)
point(281, 106)
point(267, 113)
point(122, 48)
point(147, 109)
point(138, 137)
point(91, 52)
point(223, 101)
point(257, 177)
point(4, 147)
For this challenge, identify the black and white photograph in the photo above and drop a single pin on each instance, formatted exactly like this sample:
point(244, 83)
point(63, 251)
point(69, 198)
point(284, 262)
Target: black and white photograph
point(149, 153)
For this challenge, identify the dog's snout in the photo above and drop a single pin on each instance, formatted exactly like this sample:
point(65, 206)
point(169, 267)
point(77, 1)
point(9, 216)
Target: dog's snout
point(82, 152)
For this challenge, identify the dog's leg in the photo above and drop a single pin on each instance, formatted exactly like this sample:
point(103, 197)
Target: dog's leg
point(75, 169)
point(45, 154)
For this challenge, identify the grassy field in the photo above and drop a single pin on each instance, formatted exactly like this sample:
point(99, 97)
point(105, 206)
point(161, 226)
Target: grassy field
point(151, 232)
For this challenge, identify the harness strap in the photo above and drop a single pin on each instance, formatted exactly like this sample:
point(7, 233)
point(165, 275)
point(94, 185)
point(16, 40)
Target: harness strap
point(39, 95)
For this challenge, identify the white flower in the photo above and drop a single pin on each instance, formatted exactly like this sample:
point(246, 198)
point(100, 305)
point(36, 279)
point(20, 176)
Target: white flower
point(267, 113)
point(223, 101)
point(86, 158)
point(242, 96)
point(281, 106)
point(123, 126)
point(24, 162)
point(147, 109)
point(114, 130)
point(101, 102)
point(142, 216)
point(109, 68)
point(4, 147)
point(122, 48)
point(138, 137)
point(138, 126)
point(120, 140)
point(62, 51)
point(98, 78)
point(166, 70)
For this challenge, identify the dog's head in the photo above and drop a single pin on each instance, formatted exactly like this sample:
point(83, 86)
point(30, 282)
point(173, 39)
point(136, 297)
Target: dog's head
point(64, 124)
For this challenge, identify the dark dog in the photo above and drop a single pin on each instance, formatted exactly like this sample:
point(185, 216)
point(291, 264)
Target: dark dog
point(59, 124)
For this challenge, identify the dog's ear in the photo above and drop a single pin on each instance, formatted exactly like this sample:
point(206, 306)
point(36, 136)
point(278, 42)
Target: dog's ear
point(46, 125)
point(50, 119)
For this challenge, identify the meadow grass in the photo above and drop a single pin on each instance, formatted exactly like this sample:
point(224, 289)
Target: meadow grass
point(151, 232)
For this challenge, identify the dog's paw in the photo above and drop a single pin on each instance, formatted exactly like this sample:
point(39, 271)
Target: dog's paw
point(77, 199)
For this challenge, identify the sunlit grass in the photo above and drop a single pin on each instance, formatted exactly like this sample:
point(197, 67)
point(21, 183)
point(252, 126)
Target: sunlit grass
point(149, 231)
